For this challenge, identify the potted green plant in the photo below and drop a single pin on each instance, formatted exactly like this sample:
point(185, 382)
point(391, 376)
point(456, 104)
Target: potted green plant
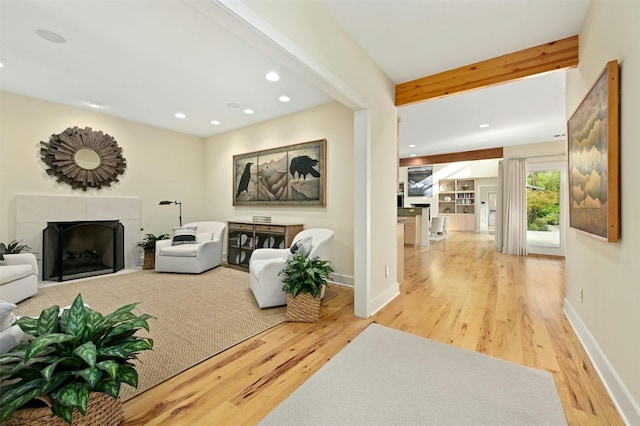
point(304, 279)
point(13, 247)
point(148, 245)
point(75, 361)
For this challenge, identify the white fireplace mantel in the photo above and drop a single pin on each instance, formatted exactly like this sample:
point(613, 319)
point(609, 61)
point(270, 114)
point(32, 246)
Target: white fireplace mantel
point(33, 212)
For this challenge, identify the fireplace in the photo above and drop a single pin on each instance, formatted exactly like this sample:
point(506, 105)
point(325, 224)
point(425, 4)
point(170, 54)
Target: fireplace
point(72, 250)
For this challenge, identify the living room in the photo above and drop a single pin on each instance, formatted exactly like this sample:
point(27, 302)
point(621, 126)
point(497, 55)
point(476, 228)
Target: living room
point(153, 165)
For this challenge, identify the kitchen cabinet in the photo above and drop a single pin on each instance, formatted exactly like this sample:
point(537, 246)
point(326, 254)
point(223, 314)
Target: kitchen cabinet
point(412, 225)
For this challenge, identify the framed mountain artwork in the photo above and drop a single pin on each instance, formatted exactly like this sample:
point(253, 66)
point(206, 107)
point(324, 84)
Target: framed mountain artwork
point(293, 175)
point(593, 133)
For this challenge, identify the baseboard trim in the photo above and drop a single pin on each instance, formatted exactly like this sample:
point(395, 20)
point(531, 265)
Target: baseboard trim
point(627, 407)
point(384, 298)
point(346, 280)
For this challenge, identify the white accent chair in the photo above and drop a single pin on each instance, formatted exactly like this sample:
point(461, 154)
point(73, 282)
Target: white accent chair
point(18, 277)
point(437, 225)
point(445, 225)
point(266, 263)
point(196, 258)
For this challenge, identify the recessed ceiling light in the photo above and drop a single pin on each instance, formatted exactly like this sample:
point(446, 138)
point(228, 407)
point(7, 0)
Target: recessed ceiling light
point(412, 146)
point(180, 115)
point(284, 98)
point(484, 126)
point(248, 111)
point(215, 122)
point(96, 105)
point(233, 105)
point(1, 65)
point(51, 36)
point(272, 76)
point(412, 155)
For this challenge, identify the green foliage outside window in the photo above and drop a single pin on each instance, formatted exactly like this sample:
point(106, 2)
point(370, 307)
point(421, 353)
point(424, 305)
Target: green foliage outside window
point(543, 200)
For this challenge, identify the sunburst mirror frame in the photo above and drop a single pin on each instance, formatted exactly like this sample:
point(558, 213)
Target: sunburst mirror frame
point(59, 155)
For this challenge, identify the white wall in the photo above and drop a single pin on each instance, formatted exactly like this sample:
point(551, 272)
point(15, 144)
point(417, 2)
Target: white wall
point(608, 319)
point(332, 122)
point(542, 152)
point(161, 164)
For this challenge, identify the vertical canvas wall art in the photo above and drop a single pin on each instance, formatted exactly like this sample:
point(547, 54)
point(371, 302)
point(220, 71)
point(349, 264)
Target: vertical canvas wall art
point(289, 175)
point(420, 181)
point(594, 158)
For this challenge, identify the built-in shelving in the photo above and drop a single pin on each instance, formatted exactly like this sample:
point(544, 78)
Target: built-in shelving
point(456, 199)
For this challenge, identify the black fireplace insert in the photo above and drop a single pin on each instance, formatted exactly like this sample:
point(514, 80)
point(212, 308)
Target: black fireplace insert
point(72, 250)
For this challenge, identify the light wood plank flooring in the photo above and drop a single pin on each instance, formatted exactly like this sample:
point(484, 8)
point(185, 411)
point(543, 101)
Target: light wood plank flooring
point(457, 291)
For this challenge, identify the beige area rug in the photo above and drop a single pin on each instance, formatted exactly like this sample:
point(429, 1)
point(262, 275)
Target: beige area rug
point(197, 316)
point(389, 377)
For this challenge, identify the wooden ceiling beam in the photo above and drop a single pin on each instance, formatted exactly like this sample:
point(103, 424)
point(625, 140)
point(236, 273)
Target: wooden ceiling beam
point(481, 154)
point(557, 55)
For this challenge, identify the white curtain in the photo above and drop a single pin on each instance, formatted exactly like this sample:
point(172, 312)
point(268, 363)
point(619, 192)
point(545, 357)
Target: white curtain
point(499, 213)
point(515, 218)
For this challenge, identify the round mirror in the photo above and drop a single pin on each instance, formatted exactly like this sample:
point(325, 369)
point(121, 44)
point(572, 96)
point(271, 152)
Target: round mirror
point(86, 159)
point(97, 163)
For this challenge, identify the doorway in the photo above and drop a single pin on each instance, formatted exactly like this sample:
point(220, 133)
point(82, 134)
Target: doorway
point(492, 205)
point(545, 212)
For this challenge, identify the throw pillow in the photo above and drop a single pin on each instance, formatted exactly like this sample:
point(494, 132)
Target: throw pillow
point(7, 318)
point(184, 235)
point(304, 245)
point(201, 237)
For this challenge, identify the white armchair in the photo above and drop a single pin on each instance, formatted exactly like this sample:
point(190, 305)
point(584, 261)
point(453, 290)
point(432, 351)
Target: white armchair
point(445, 225)
point(18, 277)
point(204, 254)
point(437, 225)
point(266, 263)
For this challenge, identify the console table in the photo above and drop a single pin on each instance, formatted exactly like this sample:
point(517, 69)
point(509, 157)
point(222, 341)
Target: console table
point(244, 237)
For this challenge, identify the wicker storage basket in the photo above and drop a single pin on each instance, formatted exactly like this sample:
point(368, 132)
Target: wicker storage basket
point(149, 260)
point(303, 308)
point(102, 410)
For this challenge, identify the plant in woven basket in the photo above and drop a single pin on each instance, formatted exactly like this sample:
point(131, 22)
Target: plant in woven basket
point(303, 280)
point(13, 247)
point(148, 245)
point(69, 356)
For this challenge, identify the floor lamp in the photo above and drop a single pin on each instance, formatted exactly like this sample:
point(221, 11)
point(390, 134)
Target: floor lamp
point(166, 203)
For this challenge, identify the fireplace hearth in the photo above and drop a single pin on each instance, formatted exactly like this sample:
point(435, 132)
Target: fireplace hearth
point(72, 250)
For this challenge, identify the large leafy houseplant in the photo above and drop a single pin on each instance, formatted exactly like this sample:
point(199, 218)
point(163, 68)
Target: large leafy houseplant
point(71, 354)
point(305, 275)
point(13, 247)
point(148, 243)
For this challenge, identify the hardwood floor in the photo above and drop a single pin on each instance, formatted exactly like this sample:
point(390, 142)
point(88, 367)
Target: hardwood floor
point(457, 291)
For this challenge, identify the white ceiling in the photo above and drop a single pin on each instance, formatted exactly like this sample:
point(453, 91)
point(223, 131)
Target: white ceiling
point(146, 60)
point(410, 39)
